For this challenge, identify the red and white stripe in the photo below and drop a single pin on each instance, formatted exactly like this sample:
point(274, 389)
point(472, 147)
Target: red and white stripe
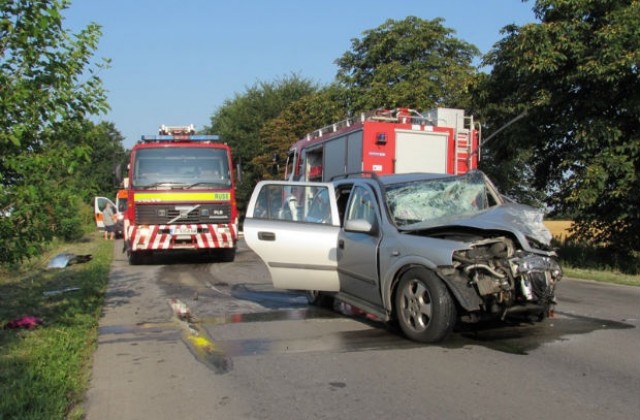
point(218, 236)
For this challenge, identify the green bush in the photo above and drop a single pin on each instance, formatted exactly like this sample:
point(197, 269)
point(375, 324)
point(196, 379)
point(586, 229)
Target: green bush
point(585, 255)
point(70, 224)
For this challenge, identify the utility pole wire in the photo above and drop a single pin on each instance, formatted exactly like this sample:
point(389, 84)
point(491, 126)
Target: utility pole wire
point(522, 115)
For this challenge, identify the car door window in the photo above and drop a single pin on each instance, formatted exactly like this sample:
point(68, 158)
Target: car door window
point(319, 210)
point(285, 226)
point(294, 203)
point(362, 206)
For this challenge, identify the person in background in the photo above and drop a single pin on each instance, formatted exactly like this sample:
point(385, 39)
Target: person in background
point(109, 219)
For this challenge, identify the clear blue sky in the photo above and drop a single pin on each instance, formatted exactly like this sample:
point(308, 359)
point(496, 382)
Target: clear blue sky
point(176, 62)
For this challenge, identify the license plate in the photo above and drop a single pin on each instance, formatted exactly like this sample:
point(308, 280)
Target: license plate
point(183, 230)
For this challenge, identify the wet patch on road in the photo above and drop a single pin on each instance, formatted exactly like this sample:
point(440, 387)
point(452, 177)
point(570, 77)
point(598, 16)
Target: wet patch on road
point(509, 337)
point(267, 296)
point(112, 334)
point(522, 337)
point(337, 342)
point(282, 315)
point(513, 337)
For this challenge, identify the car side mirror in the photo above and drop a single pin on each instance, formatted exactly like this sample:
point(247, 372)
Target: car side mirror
point(361, 226)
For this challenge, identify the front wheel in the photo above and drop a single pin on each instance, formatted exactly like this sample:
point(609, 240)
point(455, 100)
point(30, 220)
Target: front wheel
point(137, 257)
point(424, 308)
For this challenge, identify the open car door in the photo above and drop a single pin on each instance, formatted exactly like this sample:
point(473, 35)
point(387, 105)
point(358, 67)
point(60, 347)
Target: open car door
point(98, 206)
point(293, 227)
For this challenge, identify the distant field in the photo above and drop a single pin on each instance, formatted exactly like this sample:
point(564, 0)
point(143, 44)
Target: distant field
point(559, 228)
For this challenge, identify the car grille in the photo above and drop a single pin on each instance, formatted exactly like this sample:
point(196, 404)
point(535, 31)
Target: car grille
point(162, 214)
point(540, 285)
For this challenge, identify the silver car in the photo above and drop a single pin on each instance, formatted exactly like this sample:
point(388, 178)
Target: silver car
point(425, 250)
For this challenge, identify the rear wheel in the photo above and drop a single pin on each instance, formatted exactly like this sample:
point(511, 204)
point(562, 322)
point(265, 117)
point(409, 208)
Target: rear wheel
point(424, 308)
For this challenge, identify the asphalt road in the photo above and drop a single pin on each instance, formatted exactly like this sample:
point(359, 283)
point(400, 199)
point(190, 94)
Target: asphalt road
point(252, 352)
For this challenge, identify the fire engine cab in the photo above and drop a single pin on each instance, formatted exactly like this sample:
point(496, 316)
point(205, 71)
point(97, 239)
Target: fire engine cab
point(402, 140)
point(181, 195)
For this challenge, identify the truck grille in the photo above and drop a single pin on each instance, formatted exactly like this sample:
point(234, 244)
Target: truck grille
point(162, 214)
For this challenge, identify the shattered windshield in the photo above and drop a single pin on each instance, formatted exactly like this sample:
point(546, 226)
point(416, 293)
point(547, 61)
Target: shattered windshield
point(429, 199)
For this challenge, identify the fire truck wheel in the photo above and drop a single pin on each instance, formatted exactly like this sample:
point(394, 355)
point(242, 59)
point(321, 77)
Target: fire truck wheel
point(227, 254)
point(135, 258)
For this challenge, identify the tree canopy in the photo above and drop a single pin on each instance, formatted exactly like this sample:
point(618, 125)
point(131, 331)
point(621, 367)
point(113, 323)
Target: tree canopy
point(239, 121)
point(575, 74)
point(307, 114)
point(49, 89)
point(411, 63)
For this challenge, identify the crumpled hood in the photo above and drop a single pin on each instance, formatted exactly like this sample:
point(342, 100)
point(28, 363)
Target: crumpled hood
point(512, 217)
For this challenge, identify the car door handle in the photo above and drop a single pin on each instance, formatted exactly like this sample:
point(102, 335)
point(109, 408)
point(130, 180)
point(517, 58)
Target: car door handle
point(341, 244)
point(266, 236)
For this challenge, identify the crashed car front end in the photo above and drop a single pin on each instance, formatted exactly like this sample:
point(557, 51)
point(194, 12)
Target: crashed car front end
point(506, 278)
point(500, 261)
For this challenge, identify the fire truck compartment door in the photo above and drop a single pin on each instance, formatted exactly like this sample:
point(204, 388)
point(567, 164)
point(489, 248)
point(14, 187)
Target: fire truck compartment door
point(421, 151)
point(98, 205)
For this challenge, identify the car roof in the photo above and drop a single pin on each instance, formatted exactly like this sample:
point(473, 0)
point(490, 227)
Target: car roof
point(391, 178)
point(414, 176)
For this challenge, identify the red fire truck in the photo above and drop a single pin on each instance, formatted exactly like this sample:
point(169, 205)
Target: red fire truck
point(442, 140)
point(181, 195)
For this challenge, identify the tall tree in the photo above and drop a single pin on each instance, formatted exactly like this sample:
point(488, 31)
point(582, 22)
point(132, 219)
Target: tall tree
point(412, 63)
point(239, 121)
point(48, 85)
point(301, 117)
point(575, 74)
point(106, 158)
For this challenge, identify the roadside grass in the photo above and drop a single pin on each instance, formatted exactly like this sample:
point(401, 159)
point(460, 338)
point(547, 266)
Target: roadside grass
point(585, 261)
point(604, 276)
point(44, 371)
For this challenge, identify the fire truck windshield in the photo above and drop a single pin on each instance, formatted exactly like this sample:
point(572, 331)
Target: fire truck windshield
point(181, 167)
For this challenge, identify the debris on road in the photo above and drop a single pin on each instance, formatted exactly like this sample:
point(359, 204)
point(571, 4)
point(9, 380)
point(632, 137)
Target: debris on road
point(60, 291)
point(27, 322)
point(65, 259)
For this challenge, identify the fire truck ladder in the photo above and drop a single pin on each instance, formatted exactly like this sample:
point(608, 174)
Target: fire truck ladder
point(464, 147)
point(463, 151)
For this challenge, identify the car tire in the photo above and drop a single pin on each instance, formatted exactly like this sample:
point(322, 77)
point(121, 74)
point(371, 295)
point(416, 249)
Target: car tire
point(319, 299)
point(424, 308)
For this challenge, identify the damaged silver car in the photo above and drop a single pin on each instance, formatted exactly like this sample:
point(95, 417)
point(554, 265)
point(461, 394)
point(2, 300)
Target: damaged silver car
point(425, 250)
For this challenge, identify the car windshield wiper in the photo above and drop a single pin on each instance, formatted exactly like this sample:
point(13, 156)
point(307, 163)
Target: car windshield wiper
point(197, 184)
point(163, 184)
